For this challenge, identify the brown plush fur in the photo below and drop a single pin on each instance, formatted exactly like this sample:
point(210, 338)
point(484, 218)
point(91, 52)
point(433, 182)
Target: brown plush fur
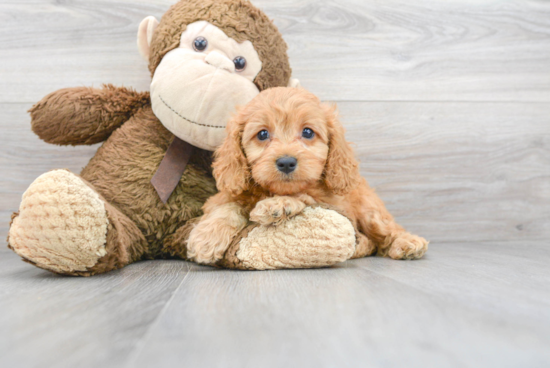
point(140, 225)
point(84, 115)
point(252, 187)
point(125, 243)
point(134, 152)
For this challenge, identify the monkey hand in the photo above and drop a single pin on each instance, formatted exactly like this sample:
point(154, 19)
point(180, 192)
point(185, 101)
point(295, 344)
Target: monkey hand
point(83, 115)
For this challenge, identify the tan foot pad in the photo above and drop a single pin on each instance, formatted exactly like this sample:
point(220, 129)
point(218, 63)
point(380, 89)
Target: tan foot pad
point(62, 224)
point(318, 237)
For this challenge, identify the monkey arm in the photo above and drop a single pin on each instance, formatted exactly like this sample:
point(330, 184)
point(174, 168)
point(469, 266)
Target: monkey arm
point(82, 115)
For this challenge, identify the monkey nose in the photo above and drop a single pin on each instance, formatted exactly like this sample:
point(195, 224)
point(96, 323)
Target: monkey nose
point(286, 164)
point(218, 60)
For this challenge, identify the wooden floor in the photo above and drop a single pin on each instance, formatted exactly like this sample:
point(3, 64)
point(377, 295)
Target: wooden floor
point(464, 305)
point(448, 105)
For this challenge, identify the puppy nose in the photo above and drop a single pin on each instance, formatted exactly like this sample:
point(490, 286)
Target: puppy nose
point(218, 60)
point(286, 164)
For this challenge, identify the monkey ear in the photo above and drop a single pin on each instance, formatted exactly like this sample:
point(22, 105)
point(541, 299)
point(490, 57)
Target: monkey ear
point(145, 35)
point(294, 83)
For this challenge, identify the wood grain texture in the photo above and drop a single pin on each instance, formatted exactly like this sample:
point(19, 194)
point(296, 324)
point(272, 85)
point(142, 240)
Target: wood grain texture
point(452, 309)
point(463, 305)
point(421, 50)
point(458, 171)
point(55, 321)
point(342, 50)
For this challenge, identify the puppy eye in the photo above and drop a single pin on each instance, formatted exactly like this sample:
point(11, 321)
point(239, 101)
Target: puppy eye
point(240, 63)
point(200, 44)
point(307, 133)
point(263, 135)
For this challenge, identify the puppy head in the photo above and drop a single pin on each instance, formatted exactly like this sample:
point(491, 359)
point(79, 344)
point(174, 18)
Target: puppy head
point(285, 140)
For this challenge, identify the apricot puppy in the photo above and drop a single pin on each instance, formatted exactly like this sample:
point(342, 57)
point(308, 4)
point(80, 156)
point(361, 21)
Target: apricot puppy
point(286, 150)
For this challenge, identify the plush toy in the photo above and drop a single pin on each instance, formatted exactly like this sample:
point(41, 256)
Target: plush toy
point(141, 194)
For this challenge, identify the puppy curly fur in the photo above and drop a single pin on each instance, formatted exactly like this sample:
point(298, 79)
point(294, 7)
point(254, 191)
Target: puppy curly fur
point(253, 188)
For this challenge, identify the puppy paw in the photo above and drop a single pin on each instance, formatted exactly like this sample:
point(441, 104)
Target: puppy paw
point(201, 248)
point(307, 199)
point(408, 246)
point(276, 210)
point(363, 247)
point(206, 246)
point(210, 238)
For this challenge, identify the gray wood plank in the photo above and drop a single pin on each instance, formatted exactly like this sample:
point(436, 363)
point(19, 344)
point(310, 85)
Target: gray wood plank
point(507, 279)
point(421, 50)
point(352, 316)
point(458, 171)
point(353, 50)
point(54, 321)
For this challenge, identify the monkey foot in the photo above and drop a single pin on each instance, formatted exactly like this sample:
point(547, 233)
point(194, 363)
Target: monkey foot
point(317, 237)
point(61, 225)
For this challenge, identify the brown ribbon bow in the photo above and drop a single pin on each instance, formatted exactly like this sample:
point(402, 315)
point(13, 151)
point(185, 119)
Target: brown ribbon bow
point(171, 168)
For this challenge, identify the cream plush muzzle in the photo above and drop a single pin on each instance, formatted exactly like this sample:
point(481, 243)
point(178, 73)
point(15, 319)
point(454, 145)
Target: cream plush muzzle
point(194, 93)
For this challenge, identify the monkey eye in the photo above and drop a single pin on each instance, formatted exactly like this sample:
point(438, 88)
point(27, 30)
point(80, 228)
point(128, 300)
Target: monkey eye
point(307, 133)
point(240, 63)
point(263, 135)
point(200, 44)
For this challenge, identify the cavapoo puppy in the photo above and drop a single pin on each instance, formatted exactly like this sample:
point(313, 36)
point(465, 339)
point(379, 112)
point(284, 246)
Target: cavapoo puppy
point(286, 150)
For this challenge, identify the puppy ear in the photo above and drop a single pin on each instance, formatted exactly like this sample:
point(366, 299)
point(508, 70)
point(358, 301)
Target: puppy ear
point(342, 169)
point(231, 169)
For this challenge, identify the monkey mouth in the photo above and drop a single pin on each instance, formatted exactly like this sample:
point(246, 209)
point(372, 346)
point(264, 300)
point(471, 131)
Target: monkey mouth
point(186, 119)
point(192, 111)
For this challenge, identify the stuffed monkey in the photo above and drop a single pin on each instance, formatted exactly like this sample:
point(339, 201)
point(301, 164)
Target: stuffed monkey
point(141, 193)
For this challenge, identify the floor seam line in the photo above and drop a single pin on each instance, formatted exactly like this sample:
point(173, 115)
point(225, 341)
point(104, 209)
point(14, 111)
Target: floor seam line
point(132, 356)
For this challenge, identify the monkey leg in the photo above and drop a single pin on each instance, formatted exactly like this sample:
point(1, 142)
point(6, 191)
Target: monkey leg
point(175, 245)
point(317, 237)
point(65, 226)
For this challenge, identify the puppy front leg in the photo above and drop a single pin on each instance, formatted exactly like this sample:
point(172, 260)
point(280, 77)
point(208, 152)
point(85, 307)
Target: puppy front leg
point(275, 210)
point(211, 237)
point(389, 237)
point(364, 247)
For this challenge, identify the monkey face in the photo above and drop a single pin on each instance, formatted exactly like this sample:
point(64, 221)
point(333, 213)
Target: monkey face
point(197, 85)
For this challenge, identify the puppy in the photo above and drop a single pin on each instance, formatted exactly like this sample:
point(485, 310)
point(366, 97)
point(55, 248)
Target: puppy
point(286, 150)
